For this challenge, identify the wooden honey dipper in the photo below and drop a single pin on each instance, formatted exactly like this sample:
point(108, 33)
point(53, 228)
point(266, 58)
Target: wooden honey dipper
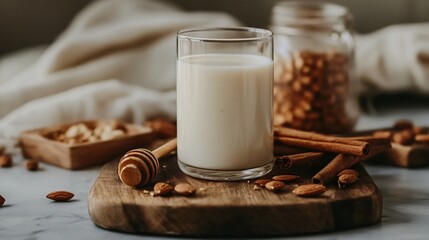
point(138, 166)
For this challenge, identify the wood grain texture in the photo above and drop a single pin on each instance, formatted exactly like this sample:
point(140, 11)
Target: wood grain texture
point(77, 156)
point(230, 208)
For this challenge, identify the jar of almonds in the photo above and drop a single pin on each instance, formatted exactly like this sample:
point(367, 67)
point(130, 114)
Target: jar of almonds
point(314, 86)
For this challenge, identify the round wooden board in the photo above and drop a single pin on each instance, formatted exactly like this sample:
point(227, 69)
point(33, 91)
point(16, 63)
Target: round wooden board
point(230, 208)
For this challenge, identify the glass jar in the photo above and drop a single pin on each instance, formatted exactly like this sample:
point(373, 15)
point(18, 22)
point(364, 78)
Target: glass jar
point(314, 86)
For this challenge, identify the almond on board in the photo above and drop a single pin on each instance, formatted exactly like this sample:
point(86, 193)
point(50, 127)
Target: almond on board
point(348, 171)
point(309, 190)
point(184, 189)
point(285, 178)
point(261, 182)
point(162, 189)
point(274, 186)
point(346, 179)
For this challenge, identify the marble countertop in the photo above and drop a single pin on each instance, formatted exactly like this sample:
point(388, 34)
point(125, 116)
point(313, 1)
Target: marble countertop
point(27, 214)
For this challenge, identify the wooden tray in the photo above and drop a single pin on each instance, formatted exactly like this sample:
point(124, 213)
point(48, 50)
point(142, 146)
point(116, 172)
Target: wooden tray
point(412, 156)
point(229, 208)
point(77, 156)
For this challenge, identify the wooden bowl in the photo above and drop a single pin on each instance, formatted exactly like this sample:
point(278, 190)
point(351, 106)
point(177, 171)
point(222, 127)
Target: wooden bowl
point(36, 145)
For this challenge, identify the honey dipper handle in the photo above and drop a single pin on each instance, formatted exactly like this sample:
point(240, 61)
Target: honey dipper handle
point(165, 149)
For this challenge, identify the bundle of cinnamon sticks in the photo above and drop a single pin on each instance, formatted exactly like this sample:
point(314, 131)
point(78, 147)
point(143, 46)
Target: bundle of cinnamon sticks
point(333, 154)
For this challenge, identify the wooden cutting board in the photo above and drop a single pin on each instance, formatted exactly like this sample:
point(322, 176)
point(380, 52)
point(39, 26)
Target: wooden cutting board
point(230, 208)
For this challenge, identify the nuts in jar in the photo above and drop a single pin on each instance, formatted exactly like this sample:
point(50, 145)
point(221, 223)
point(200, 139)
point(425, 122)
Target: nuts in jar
point(313, 78)
point(311, 91)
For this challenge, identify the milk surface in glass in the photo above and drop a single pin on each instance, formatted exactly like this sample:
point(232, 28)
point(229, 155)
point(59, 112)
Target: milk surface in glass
point(224, 104)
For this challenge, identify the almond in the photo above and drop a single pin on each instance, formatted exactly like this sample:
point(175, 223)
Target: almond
point(285, 178)
point(184, 189)
point(416, 131)
point(309, 190)
point(403, 124)
point(346, 179)
point(348, 171)
point(261, 182)
point(32, 165)
point(162, 189)
point(60, 196)
point(5, 161)
point(274, 186)
point(2, 200)
point(404, 137)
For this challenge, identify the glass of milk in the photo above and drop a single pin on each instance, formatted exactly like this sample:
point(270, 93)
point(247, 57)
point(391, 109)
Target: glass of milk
point(224, 103)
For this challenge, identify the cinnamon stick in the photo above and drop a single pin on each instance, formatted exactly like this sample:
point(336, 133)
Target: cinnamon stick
point(281, 150)
point(319, 142)
point(294, 133)
point(344, 161)
point(307, 159)
point(326, 146)
point(372, 138)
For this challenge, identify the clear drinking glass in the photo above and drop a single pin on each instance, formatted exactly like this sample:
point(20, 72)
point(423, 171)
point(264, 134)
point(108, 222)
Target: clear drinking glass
point(224, 102)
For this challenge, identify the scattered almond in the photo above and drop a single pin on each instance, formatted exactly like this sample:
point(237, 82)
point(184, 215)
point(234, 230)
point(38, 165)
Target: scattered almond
point(32, 165)
point(162, 189)
point(2, 200)
point(5, 161)
point(348, 171)
point(346, 179)
point(60, 196)
point(309, 190)
point(256, 187)
point(404, 137)
point(419, 130)
point(285, 178)
point(403, 124)
point(261, 182)
point(184, 189)
point(274, 186)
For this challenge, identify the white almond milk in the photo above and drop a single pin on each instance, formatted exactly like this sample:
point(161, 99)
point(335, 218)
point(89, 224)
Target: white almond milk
point(224, 111)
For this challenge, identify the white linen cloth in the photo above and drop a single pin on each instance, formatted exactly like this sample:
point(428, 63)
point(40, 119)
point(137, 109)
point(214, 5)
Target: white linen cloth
point(395, 58)
point(116, 60)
